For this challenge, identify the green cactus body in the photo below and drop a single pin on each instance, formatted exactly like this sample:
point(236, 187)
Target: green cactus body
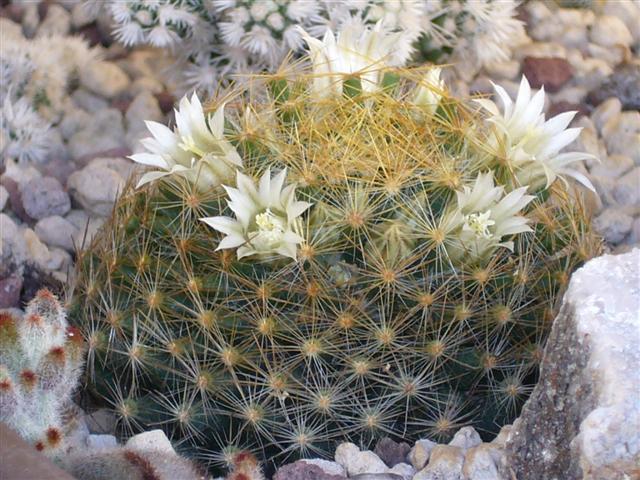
point(40, 361)
point(381, 326)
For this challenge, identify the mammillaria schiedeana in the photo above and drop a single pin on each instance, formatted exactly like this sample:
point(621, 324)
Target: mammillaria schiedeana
point(376, 266)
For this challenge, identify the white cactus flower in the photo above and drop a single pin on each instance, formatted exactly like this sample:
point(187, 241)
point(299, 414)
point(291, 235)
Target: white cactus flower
point(266, 220)
point(428, 94)
point(531, 144)
point(357, 50)
point(196, 149)
point(486, 215)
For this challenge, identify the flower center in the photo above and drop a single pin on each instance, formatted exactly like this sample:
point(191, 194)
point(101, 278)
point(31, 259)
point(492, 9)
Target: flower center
point(188, 144)
point(479, 224)
point(270, 227)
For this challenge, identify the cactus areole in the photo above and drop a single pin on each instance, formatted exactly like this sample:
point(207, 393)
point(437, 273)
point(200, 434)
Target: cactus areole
point(375, 267)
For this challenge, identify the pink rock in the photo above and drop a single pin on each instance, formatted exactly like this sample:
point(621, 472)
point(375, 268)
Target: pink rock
point(551, 72)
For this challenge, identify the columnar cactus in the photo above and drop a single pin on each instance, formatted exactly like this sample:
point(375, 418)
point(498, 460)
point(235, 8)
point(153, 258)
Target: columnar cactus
point(375, 267)
point(131, 464)
point(40, 361)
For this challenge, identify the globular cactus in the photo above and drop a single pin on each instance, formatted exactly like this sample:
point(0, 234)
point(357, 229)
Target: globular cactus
point(40, 361)
point(131, 464)
point(403, 287)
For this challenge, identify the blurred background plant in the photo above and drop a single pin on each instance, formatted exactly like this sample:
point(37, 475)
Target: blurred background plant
point(36, 76)
point(215, 40)
point(40, 362)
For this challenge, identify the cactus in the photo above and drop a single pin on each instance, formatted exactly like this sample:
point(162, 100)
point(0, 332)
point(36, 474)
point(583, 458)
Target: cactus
point(245, 466)
point(214, 40)
point(375, 268)
point(131, 464)
point(40, 361)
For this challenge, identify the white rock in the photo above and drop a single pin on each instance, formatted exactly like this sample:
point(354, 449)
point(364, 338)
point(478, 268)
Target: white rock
point(38, 251)
point(592, 72)
point(57, 22)
point(43, 197)
point(508, 69)
point(604, 187)
point(586, 404)
point(57, 148)
point(74, 119)
point(82, 16)
point(104, 78)
point(328, 467)
point(605, 111)
point(541, 49)
point(19, 173)
point(146, 84)
point(503, 435)
point(622, 135)
point(355, 462)
point(588, 142)
point(104, 132)
point(613, 225)
point(30, 19)
point(88, 101)
point(87, 227)
point(405, 470)
point(574, 16)
point(445, 464)
point(612, 166)
point(56, 231)
point(538, 11)
point(466, 438)
point(419, 454)
point(4, 197)
point(482, 462)
point(613, 55)
point(10, 30)
point(124, 167)
point(574, 36)
point(481, 85)
point(634, 236)
point(96, 188)
point(627, 191)
point(609, 31)
point(143, 108)
point(570, 94)
point(13, 252)
point(59, 260)
point(101, 442)
point(140, 63)
point(629, 13)
point(151, 440)
point(546, 31)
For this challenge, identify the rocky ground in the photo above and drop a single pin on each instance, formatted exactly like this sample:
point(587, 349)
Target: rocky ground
point(587, 61)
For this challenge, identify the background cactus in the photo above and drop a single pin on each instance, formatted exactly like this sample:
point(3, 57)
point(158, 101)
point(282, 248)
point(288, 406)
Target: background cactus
point(131, 464)
point(214, 41)
point(375, 329)
point(40, 361)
